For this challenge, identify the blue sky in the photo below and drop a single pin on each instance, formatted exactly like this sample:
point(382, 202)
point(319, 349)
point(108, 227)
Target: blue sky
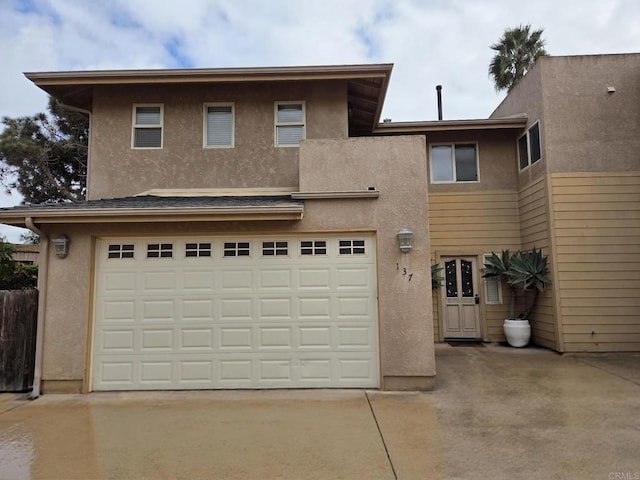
point(430, 42)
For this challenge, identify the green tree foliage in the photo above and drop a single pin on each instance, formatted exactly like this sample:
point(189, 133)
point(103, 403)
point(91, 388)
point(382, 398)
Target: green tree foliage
point(13, 275)
point(44, 157)
point(30, 238)
point(516, 52)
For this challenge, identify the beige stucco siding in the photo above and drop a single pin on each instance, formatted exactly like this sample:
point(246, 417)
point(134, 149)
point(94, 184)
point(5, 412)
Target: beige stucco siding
point(404, 305)
point(474, 223)
point(597, 233)
point(395, 166)
point(587, 128)
point(117, 170)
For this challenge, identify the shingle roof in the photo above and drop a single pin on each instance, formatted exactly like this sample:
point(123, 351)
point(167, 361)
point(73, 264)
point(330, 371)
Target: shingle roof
point(153, 208)
point(152, 201)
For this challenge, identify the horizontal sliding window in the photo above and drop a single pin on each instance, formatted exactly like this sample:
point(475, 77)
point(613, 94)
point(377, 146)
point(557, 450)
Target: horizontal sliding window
point(454, 163)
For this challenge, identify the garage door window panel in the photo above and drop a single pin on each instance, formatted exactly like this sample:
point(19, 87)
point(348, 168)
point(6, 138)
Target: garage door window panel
point(277, 249)
point(160, 250)
point(352, 247)
point(236, 249)
point(313, 247)
point(120, 250)
point(198, 250)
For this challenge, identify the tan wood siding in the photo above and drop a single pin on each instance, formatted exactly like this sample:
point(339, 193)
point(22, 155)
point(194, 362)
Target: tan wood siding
point(474, 223)
point(597, 233)
point(534, 228)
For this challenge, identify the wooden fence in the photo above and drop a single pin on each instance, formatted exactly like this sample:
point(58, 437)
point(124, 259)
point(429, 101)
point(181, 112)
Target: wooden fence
point(18, 319)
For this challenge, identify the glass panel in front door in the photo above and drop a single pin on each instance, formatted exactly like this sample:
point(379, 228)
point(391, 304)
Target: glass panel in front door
point(466, 272)
point(451, 278)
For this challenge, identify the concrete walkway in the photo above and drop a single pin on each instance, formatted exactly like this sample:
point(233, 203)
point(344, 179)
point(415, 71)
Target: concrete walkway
point(497, 413)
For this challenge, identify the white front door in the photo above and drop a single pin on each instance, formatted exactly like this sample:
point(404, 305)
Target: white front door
point(235, 312)
point(461, 301)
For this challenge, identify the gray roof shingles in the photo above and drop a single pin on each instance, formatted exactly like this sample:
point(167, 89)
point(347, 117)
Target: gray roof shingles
point(155, 202)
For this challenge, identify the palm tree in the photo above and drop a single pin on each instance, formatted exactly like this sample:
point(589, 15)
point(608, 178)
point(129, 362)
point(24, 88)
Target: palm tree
point(517, 51)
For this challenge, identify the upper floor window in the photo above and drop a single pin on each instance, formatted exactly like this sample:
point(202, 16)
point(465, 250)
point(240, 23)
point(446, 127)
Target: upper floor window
point(147, 126)
point(529, 150)
point(218, 125)
point(290, 123)
point(454, 163)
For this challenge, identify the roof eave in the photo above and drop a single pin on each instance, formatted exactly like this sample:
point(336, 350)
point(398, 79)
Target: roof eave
point(397, 128)
point(206, 75)
point(144, 215)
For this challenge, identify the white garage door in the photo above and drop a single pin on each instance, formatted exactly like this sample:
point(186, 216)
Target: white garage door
point(206, 313)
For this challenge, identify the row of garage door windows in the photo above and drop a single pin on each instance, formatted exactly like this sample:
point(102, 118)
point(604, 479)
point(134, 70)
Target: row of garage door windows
point(236, 249)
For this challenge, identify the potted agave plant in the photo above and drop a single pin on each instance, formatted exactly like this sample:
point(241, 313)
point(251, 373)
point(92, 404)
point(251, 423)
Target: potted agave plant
point(527, 270)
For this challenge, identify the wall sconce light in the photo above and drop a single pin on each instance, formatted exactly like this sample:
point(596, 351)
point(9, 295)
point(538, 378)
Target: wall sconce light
point(61, 245)
point(405, 237)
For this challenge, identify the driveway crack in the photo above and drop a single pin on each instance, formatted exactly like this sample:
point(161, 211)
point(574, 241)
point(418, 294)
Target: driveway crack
point(395, 475)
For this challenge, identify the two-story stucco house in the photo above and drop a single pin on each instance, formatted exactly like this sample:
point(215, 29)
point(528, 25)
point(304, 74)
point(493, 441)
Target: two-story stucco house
point(238, 233)
point(241, 227)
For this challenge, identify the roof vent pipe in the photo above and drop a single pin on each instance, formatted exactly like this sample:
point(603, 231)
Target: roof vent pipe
point(439, 90)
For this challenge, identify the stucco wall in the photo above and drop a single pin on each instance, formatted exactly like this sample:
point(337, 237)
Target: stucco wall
point(527, 98)
point(117, 170)
point(587, 128)
point(396, 166)
point(583, 127)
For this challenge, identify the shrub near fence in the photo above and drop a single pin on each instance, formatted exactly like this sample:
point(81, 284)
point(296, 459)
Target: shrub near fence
point(18, 319)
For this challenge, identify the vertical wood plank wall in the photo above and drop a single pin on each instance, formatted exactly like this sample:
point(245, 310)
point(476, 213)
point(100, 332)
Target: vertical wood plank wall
point(534, 229)
point(474, 223)
point(597, 237)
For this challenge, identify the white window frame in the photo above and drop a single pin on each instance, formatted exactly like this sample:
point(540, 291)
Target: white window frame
point(135, 126)
point(486, 282)
point(527, 135)
point(452, 145)
point(205, 110)
point(277, 124)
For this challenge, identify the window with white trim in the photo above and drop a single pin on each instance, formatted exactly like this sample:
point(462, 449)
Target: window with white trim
point(147, 126)
point(492, 287)
point(529, 148)
point(218, 125)
point(289, 124)
point(454, 163)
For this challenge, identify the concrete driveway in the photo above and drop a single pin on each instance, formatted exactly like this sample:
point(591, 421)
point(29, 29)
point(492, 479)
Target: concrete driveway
point(497, 413)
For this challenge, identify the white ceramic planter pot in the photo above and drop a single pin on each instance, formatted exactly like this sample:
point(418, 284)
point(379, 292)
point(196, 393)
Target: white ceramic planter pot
point(518, 332)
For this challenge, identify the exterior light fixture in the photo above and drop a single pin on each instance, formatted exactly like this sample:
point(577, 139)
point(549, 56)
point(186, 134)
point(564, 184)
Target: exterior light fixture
point(405, 237)
point(61, 245)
